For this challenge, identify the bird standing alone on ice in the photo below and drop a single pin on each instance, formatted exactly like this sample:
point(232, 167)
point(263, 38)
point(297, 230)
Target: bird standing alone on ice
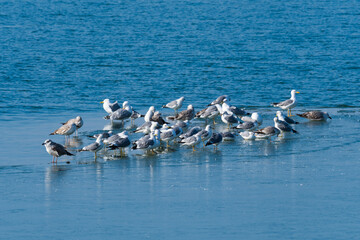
point(56, 150)
point(288, 104)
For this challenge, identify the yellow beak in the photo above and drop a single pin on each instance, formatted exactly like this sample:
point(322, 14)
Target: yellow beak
point(297, 92)
point(102, 102)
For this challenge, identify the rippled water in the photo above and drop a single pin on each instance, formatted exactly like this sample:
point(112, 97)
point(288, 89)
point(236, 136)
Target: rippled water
point(59, 59)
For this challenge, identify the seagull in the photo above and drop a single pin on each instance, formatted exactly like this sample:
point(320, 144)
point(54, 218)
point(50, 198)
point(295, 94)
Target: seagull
point(176, 104)
point(120, 114)
point(178, 130)
point(66, 130)
point(227, 117)
point(281, 117)
point(167, 136)
point(191, 141)
point(56, 150)
point(266, 132)
point(247, 135)
point(192, 131)
point(283, 126)
point(255, 118)
point(205, 134)
point(287, 104)
point(315, 115)
point(147, 127)
point(215, 139)
point(147, 143)
point(248, 126)
point(135, 115)
point(235, 110)
point(183, 124)
point(94, 147)
point(110, 107)
point(78, 122)
point(121, 143)
point(149, 114)
point(157, 118)
point(211, 112)
point(187, 114)
point(228, 136)
point(220, 100)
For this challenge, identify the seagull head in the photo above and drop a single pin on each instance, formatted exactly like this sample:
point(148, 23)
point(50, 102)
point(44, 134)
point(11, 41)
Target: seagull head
point(47, 141)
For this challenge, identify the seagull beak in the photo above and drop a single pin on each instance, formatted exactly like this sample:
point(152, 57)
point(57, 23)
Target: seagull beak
point(297, 92)
point(102, 102)
point(43, 143)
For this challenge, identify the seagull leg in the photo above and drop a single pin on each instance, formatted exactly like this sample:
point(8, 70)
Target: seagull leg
point(193, 147)
point(214, 121)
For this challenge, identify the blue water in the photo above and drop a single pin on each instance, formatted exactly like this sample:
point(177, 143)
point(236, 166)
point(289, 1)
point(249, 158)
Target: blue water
point(59, 59)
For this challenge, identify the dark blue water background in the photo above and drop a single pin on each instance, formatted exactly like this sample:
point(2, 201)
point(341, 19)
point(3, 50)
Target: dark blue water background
point(59, 59)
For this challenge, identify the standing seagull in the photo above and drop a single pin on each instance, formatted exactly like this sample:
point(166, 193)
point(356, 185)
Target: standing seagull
point(215, 140)
point(56, 150)
point(78, 122)
point(94, 147)
point(65, 130)
point(122, 142)
point(110, 107)
point(283, 126)
point(287, 104)
point(149, 114)
point(120, 114)
point(176, 104)
point(315, 115)
point(187, 114)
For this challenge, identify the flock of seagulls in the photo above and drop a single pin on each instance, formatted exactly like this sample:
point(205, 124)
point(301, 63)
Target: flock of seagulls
point(160, 132)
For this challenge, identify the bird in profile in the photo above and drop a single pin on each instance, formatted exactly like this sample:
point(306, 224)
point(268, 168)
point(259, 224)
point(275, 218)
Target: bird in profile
point(77, 121)
point(176, 104)
point(215, 139)
point(55, 149)
point(283, 127)
point(110, 107)
point(187, 114)
point(266, 132)
point(287, 104)
point(65, 130)
point(94, 147)
point(315, 115)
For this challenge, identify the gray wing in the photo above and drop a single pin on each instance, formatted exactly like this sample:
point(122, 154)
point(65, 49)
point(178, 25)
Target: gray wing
point(60, 149)
point(185, 115)
point(167, 134)
point(145, 144)
point(171, 104)
point(316, 115)
point(214, 139)
point(91, 147)
point(198, 114)
point(122, 142)
point(231, 118)
point(284, 126)
point(113, 138)
point(219, 100)
point(114, 106)
point(246, 125)
point(120, 114)
point(237, 111)
point(289, 120)
point(190, 139)
point(284, 103)
point(178, 130)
